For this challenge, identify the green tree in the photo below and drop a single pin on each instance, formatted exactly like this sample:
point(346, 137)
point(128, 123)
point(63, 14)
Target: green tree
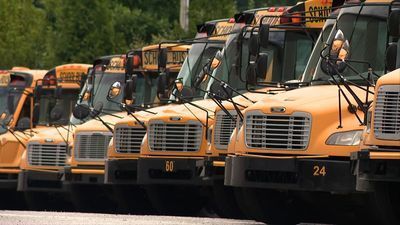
point(22, 37)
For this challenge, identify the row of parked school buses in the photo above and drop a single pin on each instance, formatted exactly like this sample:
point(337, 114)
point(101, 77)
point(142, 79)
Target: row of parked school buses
point(281, 114)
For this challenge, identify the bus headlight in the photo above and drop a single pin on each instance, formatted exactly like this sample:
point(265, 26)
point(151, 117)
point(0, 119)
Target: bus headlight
point(349, 138)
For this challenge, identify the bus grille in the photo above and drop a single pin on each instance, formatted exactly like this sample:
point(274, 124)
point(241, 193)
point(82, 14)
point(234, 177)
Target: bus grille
point(387, 113)
point(184, 137)
point(128, 139)
point(92, 145)
point(286, 132)
point(223, 128)
point(46, 154)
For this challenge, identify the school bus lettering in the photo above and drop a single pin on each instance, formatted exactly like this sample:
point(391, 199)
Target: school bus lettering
point(319, 171)
point(4, 80)
point(169, 166)
point(176, 57)
point(271, 18)
point(116, 64)
point(70, 76)
point(319, 11)
point(316, 10)
point(150, 58)
point(222, 28)
point(173, 57)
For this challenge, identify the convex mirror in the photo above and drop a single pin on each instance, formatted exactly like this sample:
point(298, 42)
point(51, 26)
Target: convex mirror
point(339, 52)
point(115, 90)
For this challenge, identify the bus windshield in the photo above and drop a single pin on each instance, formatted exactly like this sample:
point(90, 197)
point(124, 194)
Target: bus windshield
point(288, 52)
point(48, 101)
point(199, 55)
point(102, 83)
point(365, 27)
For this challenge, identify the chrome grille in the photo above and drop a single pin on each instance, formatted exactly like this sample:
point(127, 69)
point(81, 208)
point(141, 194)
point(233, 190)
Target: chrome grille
point(286, 132)
point(223, 128)
point(46, 154)
point(91, 145)
point(128, 139)
point(184, 137)
point(387, 113)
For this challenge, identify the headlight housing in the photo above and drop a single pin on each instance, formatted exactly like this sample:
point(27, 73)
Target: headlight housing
point(347, 138)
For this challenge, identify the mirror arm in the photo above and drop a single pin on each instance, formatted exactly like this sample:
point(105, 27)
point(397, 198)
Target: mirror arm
point(16, 137)
point(234, 103)
point(344, 95)
point(131, 114)
point(59, 133)
point(104, 123)
point(354, 95)
point(223, 108)
point(194, 105)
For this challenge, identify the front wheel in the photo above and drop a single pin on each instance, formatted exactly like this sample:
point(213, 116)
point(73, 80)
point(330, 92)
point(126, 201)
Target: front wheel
point(176, 200)
point(269, 206)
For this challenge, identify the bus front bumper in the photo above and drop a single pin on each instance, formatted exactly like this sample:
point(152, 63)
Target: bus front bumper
point(172, 171)
point(371, 167)
point(32, 180)
point(302, 174)
point(121, 171)
point(83, 176)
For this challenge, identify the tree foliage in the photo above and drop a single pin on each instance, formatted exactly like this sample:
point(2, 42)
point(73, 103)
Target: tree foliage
point(46, 33)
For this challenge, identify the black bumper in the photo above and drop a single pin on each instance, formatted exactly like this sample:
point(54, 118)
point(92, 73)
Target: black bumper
point(370, 171)
point(40, 181)
point(212, 171)
point(8, 181)
point(173, 171)
point(121, 171)
point(70, 178)
point(290, 174)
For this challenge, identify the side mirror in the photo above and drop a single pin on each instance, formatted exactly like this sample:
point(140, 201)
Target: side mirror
point(201, 77)
point(115, 90)
point(81, 111)
point(251, 75)
point(220, 92)
point(129, 64)
point(36, 113)
point(394, 23)
point(183, 92)
point(98, 107)
point(253, 45)
point(391, 57)
point(23, 124)
point(338, 53)
point(130, 88)
point(5, 119)
point(58, 92)
point(262, 66)
point(264, 35)
point(162, 58)
point(216, 62)
point(37, 92)
point(56, 113)
point(162, 91)
point(10, 103)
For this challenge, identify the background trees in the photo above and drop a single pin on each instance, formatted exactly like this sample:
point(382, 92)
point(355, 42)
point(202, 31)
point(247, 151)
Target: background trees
point(45, 33)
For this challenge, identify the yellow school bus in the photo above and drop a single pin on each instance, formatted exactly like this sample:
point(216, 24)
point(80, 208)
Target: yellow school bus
point(377, 162)
point(122, 170)
point(15, 107)
point(294, 148)
point(164, 161)
point(56, 96)
point(36, 105)
point(283, 68)
point(91, 139)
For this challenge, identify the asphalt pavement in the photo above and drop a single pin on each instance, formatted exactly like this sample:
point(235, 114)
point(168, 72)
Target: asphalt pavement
point(8, 217)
